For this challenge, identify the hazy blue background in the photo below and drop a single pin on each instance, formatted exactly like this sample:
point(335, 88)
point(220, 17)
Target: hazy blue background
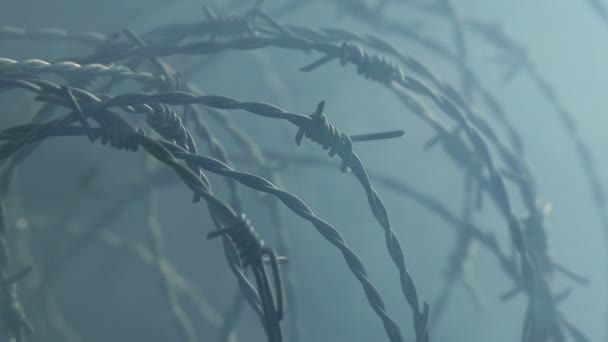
point(108, 295)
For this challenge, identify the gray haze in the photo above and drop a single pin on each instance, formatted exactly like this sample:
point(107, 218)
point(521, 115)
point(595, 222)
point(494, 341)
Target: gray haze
point(106, 294)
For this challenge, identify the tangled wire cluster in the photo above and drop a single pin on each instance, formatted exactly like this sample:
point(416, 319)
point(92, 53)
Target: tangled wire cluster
point(85, 95)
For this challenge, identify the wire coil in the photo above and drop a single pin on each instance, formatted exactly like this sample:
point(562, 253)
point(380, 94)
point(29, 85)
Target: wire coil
point(251, 252)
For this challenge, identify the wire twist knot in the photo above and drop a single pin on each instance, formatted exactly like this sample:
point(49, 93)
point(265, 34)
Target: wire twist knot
point(168, 124)
point(321, 131)
point(372, 67)
point(117, 133)
point(247, 242)
point(251, 252)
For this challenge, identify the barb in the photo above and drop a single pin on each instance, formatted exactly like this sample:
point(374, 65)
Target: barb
point(468, 143)
point(159, 150)
point(250, 249)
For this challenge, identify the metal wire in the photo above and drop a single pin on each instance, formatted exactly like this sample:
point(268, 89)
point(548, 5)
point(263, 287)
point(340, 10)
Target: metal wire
point(251, 250)
point(159, 150)
point(468, 144)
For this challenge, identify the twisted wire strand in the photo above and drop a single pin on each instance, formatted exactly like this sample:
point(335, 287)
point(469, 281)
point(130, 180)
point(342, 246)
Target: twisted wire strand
point(501, 40)
point(168, 124)
point(159, 148)
point(329, 137)
point(165, 121)
point(170, 76)
point(417, 67)
point(324, 133)
point(366, 13)
point(219, 210)
point(495, 182)
point(384, 71)
point(508, 44)
point(380, 69)
point(528, 278)
point(492, 102)
point(217, 150)
point(38, 66)
point(464, 227)
point(117, 137)
point(357, 56)
point(302, 210)
point(514, 162)
point(296, 205)
point(525, 182)
point(174, 84)
point(251, 148)
point(485, 238)
point(273, 330)
point(375, 68)
point(363, 60)
point(121, 136)
point(251, 250)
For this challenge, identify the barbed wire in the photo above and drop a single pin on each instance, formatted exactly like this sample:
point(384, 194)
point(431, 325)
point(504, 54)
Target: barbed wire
point(468, 144)
point(240, 136)
point(159, 150)
point(369, 68)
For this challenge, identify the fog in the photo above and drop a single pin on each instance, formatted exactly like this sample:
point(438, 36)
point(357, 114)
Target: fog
point(492, 200)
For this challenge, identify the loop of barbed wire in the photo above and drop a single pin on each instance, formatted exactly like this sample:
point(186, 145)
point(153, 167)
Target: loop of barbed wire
point(251, 252)
point(267, 110)
point(445, 105)
point(167, 152)
point(379, 69)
